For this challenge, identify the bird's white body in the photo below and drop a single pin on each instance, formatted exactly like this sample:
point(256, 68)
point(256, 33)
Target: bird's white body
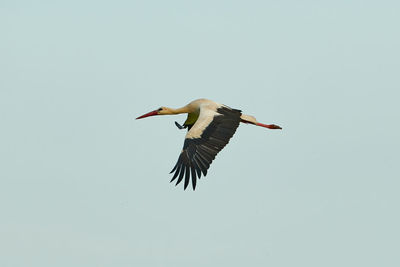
point(206, 110)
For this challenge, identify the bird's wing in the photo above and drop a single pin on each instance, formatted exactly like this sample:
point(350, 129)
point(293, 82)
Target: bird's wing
point(209, 135)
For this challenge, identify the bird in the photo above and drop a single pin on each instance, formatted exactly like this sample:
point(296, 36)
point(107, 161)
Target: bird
point(210, 127)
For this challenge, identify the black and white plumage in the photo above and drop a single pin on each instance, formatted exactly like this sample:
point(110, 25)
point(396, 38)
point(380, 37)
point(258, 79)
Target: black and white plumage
point(210, 127)
point(199, 151)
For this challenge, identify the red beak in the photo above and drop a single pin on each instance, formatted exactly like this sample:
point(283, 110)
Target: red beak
point(151, 113)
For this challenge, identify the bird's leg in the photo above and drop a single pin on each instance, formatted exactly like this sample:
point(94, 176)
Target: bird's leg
point(250, 119)
point(180, 127)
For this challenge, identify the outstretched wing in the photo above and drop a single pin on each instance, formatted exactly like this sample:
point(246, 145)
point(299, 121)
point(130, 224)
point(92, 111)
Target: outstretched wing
point(209, 135)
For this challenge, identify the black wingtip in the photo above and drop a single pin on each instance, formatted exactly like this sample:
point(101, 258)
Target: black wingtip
point(194, 178)
point(187, 177)
point(176, 174)
point(181, 174)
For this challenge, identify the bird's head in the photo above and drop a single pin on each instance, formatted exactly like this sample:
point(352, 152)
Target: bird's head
point(159, 111)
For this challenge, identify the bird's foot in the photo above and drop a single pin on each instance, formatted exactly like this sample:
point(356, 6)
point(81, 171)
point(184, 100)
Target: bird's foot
point(180, 127)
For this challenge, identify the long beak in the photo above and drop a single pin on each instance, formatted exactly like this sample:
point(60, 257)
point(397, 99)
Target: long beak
point(151, 113)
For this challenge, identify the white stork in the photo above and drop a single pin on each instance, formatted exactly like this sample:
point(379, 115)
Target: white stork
point(210, 126)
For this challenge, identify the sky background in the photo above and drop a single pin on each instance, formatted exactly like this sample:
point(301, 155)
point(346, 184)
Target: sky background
point(84, 184)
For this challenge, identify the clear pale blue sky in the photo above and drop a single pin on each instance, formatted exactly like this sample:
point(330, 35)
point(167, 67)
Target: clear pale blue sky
point(84, 184)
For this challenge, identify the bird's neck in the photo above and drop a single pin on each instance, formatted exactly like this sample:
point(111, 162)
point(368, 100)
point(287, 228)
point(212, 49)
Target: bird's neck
point(184, 109)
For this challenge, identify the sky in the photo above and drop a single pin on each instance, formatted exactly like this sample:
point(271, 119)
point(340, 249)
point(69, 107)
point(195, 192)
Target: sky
point(85, 184)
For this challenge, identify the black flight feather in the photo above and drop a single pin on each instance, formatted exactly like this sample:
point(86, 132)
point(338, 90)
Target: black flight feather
point(198, 153)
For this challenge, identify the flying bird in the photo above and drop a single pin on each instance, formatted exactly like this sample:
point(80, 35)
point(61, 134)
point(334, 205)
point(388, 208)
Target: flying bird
point(210, 127)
